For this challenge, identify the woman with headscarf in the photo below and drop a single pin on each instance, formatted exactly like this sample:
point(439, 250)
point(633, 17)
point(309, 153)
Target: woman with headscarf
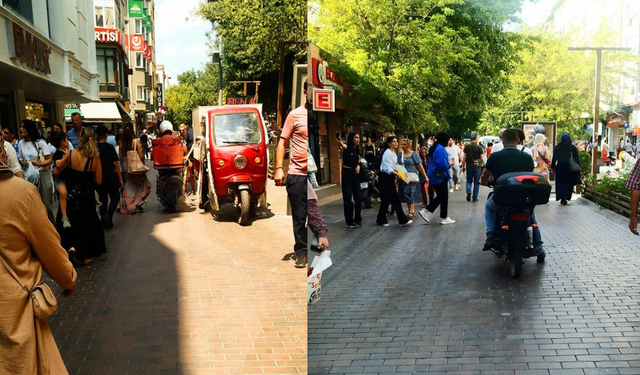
point(541, 155)
point(438, 174)
point(387, 184)
point(29, 245)
point(628, 162)
point(561, 164)
point(351, 181)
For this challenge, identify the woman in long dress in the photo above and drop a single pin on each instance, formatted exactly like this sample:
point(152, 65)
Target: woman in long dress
point(29, 244)
point(541, 155)
point(566, 179)
point(85, 239)
point(410, 192)
point(137, 187)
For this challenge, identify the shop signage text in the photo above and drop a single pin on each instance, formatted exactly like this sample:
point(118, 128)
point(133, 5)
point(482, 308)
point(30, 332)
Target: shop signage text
point(323, 75)
point(240, 101)
point(107, 35)
point(30, 50)
point(324, 100)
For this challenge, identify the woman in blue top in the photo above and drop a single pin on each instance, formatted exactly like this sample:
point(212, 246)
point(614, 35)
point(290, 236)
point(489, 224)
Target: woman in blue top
point(438, 173)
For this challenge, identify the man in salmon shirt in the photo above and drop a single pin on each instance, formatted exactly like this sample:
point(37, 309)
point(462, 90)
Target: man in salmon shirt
point(294, 132)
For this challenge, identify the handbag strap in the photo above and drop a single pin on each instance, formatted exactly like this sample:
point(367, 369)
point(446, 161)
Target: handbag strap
point(24, 287)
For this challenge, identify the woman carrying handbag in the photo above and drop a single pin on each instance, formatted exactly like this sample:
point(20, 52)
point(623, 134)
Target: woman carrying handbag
point(136, 187)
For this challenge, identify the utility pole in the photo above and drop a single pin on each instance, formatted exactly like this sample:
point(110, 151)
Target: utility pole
point(596, 107)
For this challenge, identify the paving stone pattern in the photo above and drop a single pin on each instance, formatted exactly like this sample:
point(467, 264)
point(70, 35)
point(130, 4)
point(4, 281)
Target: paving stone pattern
point(426, 299)
point(186, 294)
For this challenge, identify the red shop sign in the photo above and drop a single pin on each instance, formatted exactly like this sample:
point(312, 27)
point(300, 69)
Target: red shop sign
point(324, 100)
point(136, 43)
point(30, 50)
point(107, 35)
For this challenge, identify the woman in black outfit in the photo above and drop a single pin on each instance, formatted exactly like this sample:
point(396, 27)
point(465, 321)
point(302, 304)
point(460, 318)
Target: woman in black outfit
point(351, 181)
point(566, 179)
point(387, 184)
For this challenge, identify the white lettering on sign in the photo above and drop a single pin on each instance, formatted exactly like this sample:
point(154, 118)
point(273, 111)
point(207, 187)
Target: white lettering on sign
point(107, 35)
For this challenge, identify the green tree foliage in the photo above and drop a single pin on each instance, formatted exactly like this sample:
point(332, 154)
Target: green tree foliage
point(417, 62)
point(556, 84)
point(252, 31)
point(195, 88)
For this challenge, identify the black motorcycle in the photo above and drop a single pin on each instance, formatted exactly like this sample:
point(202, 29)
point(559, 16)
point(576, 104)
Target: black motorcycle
point(169, 188)
point(518, 193)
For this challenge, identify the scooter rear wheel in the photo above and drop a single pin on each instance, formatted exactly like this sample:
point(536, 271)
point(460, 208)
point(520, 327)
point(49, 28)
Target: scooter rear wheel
point(517, 245)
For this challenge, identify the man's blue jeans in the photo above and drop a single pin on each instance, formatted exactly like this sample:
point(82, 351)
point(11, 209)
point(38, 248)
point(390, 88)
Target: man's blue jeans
point(491, 210)
point(473, 176)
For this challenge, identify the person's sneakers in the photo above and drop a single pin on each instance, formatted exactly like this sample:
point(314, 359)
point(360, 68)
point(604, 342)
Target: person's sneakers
point(407, 223)
point(424, 214)
point(384, 225)
point(66, 224)
point(450, 190)
point(563, 202)
point(301, 261)
point(488, 244)
point(538, 250)
point(468, 197)
point(457, 187)
point(358, 224)
point(447, 221)
point(475, 199)
point(351, 226)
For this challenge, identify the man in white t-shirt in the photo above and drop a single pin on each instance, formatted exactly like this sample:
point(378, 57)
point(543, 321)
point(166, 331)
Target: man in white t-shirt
point(453, 152)
point(498, 145)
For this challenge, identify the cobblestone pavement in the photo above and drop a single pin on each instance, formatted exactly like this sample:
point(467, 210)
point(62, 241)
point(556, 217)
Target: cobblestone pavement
point(187, 294)
point(426, 299)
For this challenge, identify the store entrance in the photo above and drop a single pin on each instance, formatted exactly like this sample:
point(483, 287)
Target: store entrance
point(319, 145)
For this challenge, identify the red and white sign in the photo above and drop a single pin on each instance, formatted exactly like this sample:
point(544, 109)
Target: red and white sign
point(324, 100)
point(323, 75)
point(148, 52)
point(107, 35)
point(136, 43)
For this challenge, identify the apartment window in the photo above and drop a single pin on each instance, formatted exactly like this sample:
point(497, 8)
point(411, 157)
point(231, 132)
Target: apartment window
point(141, 61)
point(141, 92)
point(22, 7)
point(108, 69)
point(138, 26)
point(149, 96)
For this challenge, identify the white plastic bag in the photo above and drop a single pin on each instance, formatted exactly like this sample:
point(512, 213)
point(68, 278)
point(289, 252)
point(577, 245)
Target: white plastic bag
point(314, 275)
point(31, 174)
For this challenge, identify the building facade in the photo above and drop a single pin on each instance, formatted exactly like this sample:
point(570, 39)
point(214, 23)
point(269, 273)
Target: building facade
point(622, 18)
point(47, 59)
point(141, 54)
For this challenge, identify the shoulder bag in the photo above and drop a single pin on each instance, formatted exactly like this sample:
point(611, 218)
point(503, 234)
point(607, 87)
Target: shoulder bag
point(573, 166)
point(134, 164)
point(42, 298)
point(412, 177)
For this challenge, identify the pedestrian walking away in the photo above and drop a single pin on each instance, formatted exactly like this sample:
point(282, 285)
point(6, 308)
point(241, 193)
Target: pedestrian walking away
point(29, 244)
point(410, 191)
point(351, 181)
point(387, 184)
point(473, 163)
point(295, 132)
point(109, 190)
point(438, 174)
point(85, 239)
point(566, 167)
point(136, 186)
point(424, 181)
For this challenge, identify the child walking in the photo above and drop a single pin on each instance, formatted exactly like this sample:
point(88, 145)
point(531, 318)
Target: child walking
point(61, 143)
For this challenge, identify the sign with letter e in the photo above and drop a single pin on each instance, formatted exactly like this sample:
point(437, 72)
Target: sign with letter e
point(324, 100)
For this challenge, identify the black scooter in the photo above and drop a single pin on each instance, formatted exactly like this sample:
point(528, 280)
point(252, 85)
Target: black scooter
point(518, 193)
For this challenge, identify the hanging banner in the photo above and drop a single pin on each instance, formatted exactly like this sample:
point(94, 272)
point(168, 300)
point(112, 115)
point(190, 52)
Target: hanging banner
point(136, 10)
point(136, 43)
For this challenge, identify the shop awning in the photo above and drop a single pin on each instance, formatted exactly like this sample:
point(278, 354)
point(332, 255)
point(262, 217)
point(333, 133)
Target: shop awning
point(69, 111)
point(101, 112)
point(123, 112)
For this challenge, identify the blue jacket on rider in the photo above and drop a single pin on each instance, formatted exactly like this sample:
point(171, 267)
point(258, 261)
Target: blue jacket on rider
point(439, 161)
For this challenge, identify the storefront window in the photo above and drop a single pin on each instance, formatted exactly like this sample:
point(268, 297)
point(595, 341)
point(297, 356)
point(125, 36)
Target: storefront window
point(22, 7)
point(107, 68)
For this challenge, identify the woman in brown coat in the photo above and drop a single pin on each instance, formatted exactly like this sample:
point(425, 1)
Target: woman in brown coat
point(29, 244)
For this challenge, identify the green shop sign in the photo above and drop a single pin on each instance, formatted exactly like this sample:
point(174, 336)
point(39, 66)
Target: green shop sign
point(136, 9)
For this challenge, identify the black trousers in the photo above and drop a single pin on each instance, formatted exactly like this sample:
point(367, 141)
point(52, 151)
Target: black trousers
point(441, 199)
point(297, 192)
point(109, 197)
point(389, 196)
point(351, 188)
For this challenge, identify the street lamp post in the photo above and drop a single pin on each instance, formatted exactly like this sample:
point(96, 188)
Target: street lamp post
point(217, 58)
point(596, 107)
